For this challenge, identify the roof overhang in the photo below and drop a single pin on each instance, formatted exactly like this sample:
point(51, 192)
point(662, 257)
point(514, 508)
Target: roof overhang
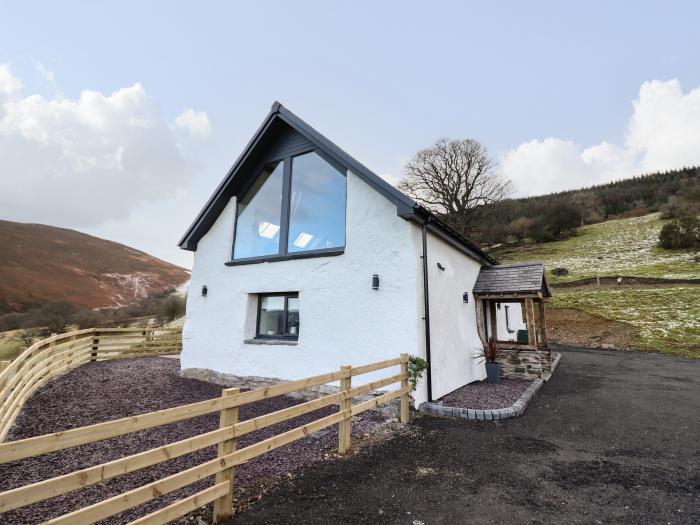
point(406, 207)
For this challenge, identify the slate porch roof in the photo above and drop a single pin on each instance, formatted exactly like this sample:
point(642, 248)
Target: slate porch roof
point(518, 279)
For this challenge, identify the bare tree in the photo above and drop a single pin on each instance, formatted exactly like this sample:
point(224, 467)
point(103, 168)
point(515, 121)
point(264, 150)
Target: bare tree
point(457, 179)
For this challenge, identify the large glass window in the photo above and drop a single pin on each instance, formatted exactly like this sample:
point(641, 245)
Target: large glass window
point(295, 205)
point(317, 205)
point(278, 316)
point(258, 221)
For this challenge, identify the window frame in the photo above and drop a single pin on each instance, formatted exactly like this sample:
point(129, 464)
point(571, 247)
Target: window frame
point(285, 336)
point(506, 310)
point(283, 253)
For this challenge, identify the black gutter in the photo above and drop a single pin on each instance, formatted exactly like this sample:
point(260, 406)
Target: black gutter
point(426, 300)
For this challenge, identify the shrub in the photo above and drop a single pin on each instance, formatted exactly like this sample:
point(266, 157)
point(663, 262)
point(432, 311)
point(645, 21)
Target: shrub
point(171, 308)
point(87, 318)
point(416, 367)
point(679, 234)
point(561, 221)
point(54, 316)
point(12, 321)
point(490, 351)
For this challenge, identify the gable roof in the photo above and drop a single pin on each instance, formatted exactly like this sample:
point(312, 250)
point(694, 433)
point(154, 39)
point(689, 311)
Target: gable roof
point(281, 118)
point(518, 279)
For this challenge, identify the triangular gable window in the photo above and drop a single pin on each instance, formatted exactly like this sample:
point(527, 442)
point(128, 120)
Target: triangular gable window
point(295, 207)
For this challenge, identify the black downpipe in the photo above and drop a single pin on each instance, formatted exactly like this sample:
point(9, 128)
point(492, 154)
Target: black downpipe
point(426, 301)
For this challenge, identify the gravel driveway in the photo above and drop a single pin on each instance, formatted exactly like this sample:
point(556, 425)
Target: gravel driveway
point(109, 390)
point(613, 437)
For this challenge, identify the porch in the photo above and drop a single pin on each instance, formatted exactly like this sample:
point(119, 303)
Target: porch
point(510, 307)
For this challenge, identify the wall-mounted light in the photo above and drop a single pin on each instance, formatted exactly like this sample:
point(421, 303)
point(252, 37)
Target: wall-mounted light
point(441, 267)
point(465, 297)
point(204, 290)
point(375, 282)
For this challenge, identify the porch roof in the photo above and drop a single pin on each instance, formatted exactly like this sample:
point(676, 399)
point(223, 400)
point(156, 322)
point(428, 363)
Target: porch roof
point(517, 280)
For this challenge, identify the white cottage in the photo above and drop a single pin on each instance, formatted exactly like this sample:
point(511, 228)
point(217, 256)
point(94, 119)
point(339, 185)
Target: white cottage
point(306, 260)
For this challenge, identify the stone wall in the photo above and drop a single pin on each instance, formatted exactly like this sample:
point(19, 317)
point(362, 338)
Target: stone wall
point(525, 364)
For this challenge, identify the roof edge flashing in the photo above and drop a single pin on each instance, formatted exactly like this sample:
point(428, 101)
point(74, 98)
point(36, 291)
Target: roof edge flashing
point(406, 207)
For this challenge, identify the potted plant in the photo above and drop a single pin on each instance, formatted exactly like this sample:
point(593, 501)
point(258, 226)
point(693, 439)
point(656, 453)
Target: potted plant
point(490, 352)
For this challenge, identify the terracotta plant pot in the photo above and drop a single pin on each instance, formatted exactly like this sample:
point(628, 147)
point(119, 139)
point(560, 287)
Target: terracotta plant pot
point(493, 373)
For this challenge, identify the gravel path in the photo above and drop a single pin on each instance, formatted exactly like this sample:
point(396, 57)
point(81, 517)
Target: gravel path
point(483, 396)
point(612, 437)
point(103, 391)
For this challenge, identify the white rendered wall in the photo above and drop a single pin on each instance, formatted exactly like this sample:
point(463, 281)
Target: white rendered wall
point(515, 315)
point(453, 333)
point(342, 320)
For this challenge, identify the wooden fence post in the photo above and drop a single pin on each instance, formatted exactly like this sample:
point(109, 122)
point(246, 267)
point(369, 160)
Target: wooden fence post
point(345, 426)
point(69, 354)
point(228, 417)
point(146, 338)
point(95, 346)
point(52, 362)
point(405, 413)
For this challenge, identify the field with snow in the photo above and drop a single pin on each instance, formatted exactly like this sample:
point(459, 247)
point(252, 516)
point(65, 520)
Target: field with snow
point(665, 319)
point(617, 247)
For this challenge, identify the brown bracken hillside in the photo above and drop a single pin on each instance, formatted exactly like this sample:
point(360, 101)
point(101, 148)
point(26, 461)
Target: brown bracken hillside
point(40, 263)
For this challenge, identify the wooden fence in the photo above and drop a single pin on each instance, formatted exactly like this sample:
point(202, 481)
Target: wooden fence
point(221, 492)
point(57, 354)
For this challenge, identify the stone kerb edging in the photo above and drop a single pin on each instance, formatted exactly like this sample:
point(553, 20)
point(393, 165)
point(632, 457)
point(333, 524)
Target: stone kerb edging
point(515, 410)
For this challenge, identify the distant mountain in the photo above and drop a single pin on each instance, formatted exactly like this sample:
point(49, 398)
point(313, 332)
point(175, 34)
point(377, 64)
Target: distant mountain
point(40, 263)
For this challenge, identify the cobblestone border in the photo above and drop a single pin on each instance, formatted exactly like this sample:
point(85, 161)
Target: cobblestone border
point(555, 361)
point(515, 410)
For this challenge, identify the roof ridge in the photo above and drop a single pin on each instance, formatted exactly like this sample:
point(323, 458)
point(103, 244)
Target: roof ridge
point(406, 207)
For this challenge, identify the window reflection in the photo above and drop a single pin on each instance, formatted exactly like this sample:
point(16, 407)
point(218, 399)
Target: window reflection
point(259, 216)
point(279, 316)
point(317, 205)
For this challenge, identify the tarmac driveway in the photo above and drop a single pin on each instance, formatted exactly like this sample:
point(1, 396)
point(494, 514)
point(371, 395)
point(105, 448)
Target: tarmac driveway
point(613, 437)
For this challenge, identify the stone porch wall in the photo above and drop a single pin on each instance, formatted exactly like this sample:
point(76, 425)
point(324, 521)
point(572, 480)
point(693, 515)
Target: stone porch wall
point(525, 364)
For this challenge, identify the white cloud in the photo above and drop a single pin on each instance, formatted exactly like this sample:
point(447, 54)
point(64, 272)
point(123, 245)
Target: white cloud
point(391, 179)
point(80, 162)
point(662, 133)
point(196, 123)
point(46, 74)
point(9, 85)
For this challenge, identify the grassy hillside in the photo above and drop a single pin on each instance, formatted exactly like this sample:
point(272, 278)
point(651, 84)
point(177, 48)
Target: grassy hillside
point(617, 247)
point(40, 263)
point(664, 318)
point(10, 345)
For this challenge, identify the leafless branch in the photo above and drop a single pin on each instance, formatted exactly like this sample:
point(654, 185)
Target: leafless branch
point(456, 179)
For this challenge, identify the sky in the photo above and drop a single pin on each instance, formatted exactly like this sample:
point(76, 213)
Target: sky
point(119, 119)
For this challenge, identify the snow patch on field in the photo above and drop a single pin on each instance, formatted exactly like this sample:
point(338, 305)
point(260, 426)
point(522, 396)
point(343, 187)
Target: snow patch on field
point(128, 288)
point(619, 247)
point(666, 319)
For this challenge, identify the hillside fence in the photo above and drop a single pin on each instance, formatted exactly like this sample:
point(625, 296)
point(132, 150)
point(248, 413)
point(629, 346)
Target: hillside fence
point(60, 353)
point(622, 280)
point(222, 467)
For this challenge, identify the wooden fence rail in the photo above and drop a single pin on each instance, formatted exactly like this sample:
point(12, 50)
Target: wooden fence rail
point(228, 456)
point(60, 353)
